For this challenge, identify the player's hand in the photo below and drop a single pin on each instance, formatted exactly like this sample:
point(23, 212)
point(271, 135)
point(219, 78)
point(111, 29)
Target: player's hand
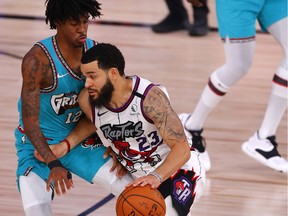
point(145, 180)
point(59, 150)
point(120, 170)
point(196, 3)
point(62, 180)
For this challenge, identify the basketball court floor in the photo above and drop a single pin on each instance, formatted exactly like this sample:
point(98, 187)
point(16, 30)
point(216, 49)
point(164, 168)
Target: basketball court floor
point(236, 184)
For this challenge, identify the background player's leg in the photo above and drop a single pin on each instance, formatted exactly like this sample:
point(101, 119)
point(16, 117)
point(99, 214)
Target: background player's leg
point(238, 61)
point(278, 99)
point(262, 146)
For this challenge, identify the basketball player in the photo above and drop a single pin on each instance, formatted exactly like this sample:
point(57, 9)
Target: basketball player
point(236, 21)
point(136, 118)
point(49, 110)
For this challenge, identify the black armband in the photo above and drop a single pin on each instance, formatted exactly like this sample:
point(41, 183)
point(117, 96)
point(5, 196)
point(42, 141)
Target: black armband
point(54, 163)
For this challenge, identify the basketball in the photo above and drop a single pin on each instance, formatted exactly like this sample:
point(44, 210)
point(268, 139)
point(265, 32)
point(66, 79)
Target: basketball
point(140, 201)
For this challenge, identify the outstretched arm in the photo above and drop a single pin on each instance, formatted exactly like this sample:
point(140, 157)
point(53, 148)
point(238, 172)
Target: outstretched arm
point(80, 132)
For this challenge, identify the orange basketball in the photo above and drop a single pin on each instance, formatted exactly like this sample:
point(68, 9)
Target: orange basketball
point(140, 201)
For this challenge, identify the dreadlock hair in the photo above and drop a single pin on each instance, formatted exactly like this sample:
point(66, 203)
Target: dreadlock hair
point(107, 55)
point(62, 10)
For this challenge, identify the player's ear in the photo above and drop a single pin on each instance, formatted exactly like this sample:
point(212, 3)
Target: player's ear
point(57, 23)
point(113, 73)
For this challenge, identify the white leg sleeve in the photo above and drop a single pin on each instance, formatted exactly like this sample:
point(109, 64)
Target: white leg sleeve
point(35, 199)
point(279, 31)
point(238, 60)
point(278, 99)
point(239, 57)
point(109, 181)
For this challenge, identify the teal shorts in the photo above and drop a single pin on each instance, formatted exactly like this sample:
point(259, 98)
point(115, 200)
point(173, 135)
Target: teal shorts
point(84, 160)
point(237, 18)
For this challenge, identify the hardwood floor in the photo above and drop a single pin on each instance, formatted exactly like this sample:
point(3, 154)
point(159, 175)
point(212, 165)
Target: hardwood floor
point(236, 184)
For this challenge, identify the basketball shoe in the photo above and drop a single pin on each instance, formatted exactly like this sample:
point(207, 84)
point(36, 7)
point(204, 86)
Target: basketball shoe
point(198, 142)
point(265, 151)
point(171, 24)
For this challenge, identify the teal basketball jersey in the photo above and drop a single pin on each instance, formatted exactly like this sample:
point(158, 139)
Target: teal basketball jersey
point(59, 113)
point(59, 108)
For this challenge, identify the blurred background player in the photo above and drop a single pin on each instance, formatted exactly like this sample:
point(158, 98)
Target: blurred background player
point(236, 21)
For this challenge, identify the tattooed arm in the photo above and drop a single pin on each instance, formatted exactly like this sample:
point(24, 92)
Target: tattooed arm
point(33, 68)
point(36, 74)
point(157, 107)
point(83, 129)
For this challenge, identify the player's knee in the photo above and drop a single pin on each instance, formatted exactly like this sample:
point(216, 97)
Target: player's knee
point(109, 181)
point(242, 66)
point(229, 74)
point(239, 57)
point(238, 69)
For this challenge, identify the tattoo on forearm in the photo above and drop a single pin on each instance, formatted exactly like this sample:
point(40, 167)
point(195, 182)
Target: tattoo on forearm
point(30, 94)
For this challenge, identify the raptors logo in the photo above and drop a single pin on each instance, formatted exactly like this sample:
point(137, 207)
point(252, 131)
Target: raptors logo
point(182, 189)
point(92, 142)
point(131, 156)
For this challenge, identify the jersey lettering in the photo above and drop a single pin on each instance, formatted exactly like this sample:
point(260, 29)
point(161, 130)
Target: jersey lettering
point(122, 131)
point(63, 102)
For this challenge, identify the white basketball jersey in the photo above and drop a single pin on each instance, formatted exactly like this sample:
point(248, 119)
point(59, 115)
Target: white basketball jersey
point(132, 135)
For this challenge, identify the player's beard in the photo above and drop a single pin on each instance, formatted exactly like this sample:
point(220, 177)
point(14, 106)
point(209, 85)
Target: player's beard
point(104, 96)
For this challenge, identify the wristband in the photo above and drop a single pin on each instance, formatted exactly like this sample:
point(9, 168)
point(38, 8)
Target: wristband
point(54, 163)
point(67, 144)
point(156, 175)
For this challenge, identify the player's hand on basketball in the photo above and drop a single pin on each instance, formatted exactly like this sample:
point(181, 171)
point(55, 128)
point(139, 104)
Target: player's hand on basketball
point(120, 170)
point(62, 180)
point(196, 3)
point(145, 180)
